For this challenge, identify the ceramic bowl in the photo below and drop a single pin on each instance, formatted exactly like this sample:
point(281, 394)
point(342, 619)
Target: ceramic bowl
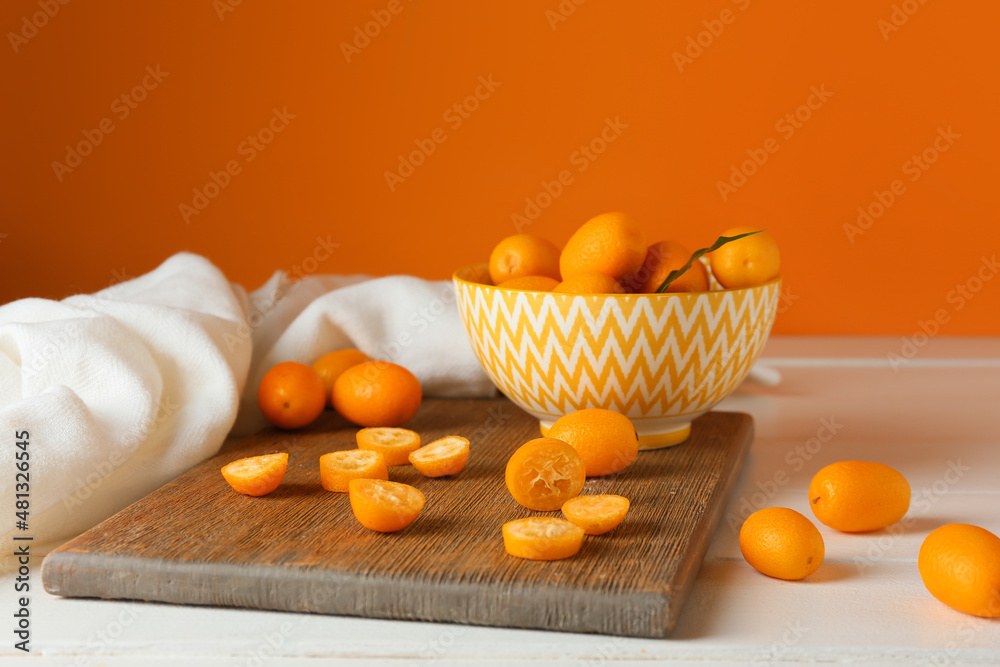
point(660, 359)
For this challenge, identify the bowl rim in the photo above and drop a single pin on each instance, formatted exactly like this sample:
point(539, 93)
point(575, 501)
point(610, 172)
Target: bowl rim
point(459, 279)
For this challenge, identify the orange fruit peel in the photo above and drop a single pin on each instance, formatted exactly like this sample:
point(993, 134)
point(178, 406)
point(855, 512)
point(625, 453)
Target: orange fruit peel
point(377, 393)
point(444, 456)
point(393, 443)
point(597, 514)
point(606, 440)
point(291, 395)
point(960, 566)
point(530, 283)
point(384, 506)
point(544, 473)
point(589, 282)
point(661, 259)
point(781, 543)
point(859, 496)
point(337, 469)
point(330, 366)
point(746, 262)
point(542, 538)
point(256, 475)
point(523, 255)
point(612, 243)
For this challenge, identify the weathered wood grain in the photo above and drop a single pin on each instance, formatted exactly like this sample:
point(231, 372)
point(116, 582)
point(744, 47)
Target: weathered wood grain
point(195, 541)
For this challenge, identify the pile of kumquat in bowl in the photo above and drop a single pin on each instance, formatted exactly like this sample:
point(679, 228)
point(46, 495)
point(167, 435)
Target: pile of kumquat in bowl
point(613, 321)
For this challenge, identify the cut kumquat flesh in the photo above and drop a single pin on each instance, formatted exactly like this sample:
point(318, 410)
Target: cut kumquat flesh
point(596, 514)
point(256, 475)
point(384, 506)
point(544, 473)
point(394, 444)
point(445, 456)
point(337, 469)
point(542, 538)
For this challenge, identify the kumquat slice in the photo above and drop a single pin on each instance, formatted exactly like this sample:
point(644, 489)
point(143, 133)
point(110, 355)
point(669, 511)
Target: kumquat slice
point(384, 506)
point(394, 444)
point(337, 469)
point(445, 456)
point(256, 475)
point(596, 514)
point(542, 538)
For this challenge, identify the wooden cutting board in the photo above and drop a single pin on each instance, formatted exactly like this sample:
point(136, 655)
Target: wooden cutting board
point(196, 541)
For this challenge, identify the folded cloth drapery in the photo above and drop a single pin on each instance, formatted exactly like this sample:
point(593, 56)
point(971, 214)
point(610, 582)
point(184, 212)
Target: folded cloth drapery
point(120, 391)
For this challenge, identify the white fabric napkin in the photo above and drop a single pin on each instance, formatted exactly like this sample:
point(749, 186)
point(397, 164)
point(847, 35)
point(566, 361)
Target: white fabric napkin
point(123, 390)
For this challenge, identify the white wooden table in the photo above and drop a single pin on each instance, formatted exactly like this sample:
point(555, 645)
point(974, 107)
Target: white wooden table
point(935, 418)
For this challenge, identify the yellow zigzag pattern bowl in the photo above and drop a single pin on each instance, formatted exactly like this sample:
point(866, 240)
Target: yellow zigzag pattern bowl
point(660, 359)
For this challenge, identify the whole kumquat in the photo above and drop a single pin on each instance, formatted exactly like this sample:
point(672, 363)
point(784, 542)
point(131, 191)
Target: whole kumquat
point(523, 255)
point(291, 395)
point(612, 243)
point(606, 440)
point(662, 258)
point(781, 543)
point(330, 366)
point(747, 262)
point(377, 393)
point(859, 496)
point(589, 282)
point(531, 283)
point(960, 566)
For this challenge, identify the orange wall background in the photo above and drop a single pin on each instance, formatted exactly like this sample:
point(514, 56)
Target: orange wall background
point(897, 76)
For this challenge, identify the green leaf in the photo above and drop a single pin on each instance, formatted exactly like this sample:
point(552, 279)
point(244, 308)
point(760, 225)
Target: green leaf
point(719, 242)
